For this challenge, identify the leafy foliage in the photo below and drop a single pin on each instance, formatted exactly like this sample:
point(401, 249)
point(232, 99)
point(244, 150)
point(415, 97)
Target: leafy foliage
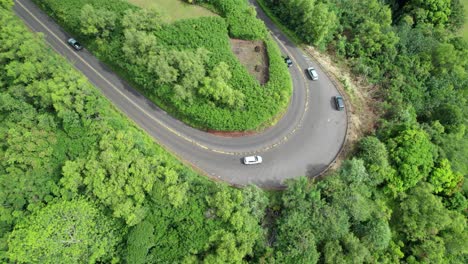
point(424, 223)
point(96, 22)
point(435, 12)
point(411, 154)
point(444, 179)
point(68, 159)
point(66, 231)
point(375, 156)
point(240, 17)
point(313, 21)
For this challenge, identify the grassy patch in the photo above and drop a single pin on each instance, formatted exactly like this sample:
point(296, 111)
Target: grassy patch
point(464, 31)
point(174, 9)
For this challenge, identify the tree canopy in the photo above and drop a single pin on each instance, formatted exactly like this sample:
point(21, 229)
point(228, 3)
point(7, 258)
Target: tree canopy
point(68, 232)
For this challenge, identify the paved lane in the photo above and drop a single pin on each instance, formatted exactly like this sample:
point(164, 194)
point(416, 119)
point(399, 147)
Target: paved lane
point(303, 142)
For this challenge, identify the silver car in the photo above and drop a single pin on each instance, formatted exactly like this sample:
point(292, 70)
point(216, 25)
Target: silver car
point(312, 73)
point(75, 44)
point(250, 160)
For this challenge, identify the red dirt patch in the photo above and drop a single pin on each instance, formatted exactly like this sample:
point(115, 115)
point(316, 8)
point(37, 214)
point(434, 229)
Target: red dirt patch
point(232, 133)
point(252, 54)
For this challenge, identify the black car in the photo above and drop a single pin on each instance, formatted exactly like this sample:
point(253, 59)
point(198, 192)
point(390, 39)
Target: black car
point(288, 61)
point(75, 44)
point(339, 103)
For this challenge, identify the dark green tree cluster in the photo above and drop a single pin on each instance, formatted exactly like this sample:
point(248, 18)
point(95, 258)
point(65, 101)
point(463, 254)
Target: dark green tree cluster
point(66, 232)
point(412, 177)
point(348, 218)
point(219, 228)
point(312, 20)
point(96, 22)
point(80, 184)
point(434, 12)
point(185, 71)
point(185, 67)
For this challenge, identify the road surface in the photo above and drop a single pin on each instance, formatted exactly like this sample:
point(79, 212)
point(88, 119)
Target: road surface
point(303, 143)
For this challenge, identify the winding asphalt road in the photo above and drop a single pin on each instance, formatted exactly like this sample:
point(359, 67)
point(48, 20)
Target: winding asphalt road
point(304, 142)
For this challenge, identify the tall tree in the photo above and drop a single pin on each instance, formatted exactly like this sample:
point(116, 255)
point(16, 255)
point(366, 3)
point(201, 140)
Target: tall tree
point(66, 232)
point(428, 229)
point(119, 174)
point(444, 179)
point(375, 156)
point(97, 22)
point(435, 12)
point(411, 154)
point(148, 20)
point(215, 87)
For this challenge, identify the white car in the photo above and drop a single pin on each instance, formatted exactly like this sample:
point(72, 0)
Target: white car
point(250, 160)
point(312, 73)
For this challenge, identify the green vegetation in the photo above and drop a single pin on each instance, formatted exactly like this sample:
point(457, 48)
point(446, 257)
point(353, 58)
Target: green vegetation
point(179, 65)
point(464, 31)
point(66, 231)
point(79, 183)
point(403, 197)
point(173, 9)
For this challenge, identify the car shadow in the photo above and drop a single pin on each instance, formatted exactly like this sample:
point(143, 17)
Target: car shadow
point(332, 103)
point(306, 73)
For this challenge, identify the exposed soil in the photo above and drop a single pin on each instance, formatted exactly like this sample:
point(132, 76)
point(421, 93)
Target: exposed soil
point(232, 133)
point(252, 54)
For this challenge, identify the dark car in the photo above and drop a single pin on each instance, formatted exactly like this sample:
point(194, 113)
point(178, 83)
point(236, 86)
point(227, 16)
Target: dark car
point(339, 103)
point(75, 44)
point(288, 61)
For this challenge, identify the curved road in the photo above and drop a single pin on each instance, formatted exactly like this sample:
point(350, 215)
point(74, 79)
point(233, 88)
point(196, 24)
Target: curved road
point(303, 142)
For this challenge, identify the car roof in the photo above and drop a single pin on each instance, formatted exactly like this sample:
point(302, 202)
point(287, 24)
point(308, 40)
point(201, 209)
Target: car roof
point(253, 158)
point(250, 158)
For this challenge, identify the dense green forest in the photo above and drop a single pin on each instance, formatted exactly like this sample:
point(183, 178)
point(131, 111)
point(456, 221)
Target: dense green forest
point(411, 50)
point(80, 183)
point(403, 196)
point(186, 67)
